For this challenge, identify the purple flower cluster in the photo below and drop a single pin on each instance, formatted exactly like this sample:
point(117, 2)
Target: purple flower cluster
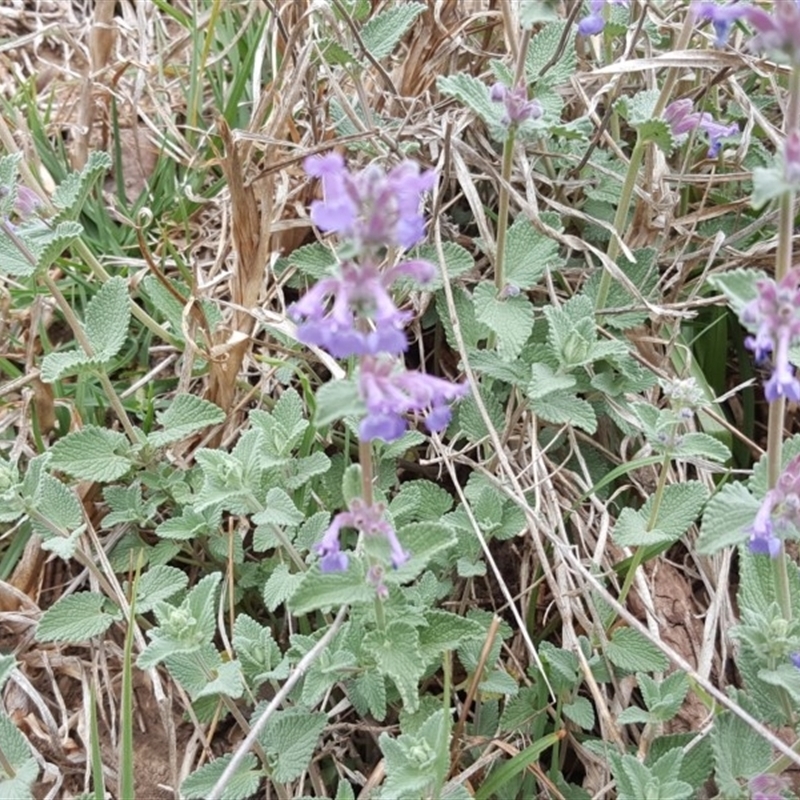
point(352, 313)
point(389, 394)
point(366, 519)
point(779, 510)
point(777, 34)
point(774, 315)
point(517, 106)
point(682, 119)
point(595, 21)
point(371, 208)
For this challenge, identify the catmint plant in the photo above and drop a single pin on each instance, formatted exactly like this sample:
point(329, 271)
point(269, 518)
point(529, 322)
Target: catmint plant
point(352, 314)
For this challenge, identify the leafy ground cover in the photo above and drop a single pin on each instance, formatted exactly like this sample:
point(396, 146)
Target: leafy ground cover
point(398, 399)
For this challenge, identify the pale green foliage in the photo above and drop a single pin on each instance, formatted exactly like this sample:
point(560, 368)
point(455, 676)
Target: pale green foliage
point(203, 673)
point(631, 651)
point(186, 415)
point(663, 700)
point(70, 196)
point(528, 254)
point(106, 328)
point(728, 513)
point(18, 753)
point(457, 262)
point(738, 286)
point(416, 764)
point(76, 618)
point(158, 584)
point(289, 740)
point(184, 628)
point(680, 506)
point(242, 785)
point(384, 31)
point(257, 651)
point(92, 454)
point(510, 318)
point(657, 781)
point(739, 752)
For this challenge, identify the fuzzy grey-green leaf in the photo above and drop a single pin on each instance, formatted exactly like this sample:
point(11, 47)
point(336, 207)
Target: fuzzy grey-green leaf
point(77, 618)
point(92, 454)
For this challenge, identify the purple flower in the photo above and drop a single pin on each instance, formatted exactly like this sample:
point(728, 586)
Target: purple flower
point(768, 787)
point(372, 208)
point(369, 520)
point(763, 540)
point(517, 106)
point(778, 33)
point(795, 659)
point(682, 120)
point(389, 395)
point(721, 17)
point(680, 117)
point(716, 131)
point(775, 316)
point(595, 21)
point(362, 318)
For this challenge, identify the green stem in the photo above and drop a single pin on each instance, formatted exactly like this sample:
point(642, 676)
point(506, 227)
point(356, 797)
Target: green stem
point(777, 409)
point(638, 556)
point(368, 496)
point(502, 211)
point(620, 220)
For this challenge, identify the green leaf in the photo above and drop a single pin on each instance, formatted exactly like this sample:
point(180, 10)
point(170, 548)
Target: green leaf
point(9, 168)
point(472, 331)
point(532, 12)
point(727, 515)
point(7, 665)
point(581, 712)
point(243, 783)
point(638, 108)
point(257, 651)
point(474, 94)
point(659, 132)
point(44, 243)
point(563, 408)
point(289, 739)
point(631, 651)
point(280, 586)
point(423, 540)
point(186, 415)
point(396, 651)
point(77, 618)
point(544, 50)
point(738, 286)
point(58, 503)
point(159, 583)
point(446, 631)
point(369, 692)
point(279, 509)
point(529, 254)
point(545, 380)
point(768, 184)
point(314, 260)
point(183, 628)
point(636, 780)
point(457, 261)
point(701, 445)
point(203, 673)
point(323, 590)
point(385, 30)
point(680, 505)
point(510, 318)
point(71, 194)
point(336, 400)
point(56, 366)
point(92, 454)
point(17, 752)
point(739, 753)
point(469, 419)
point(107, 318)
point(191, 523)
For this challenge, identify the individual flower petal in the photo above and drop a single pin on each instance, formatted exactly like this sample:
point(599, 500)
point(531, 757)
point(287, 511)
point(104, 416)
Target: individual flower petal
point(721, 17)
point(333, 559)
point(782, 382)
point(763, 540)
point(769, 787)
point(680, 117)
point(594, 22)
point(716, 131)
